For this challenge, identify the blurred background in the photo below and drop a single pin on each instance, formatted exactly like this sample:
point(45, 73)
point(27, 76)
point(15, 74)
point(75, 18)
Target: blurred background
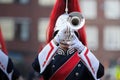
point(24, 25)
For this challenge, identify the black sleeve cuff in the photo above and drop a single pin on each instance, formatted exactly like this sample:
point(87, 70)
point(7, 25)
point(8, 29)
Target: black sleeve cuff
point(36, 65)
point(10, 65)
point(15, 74)
point(100, 72)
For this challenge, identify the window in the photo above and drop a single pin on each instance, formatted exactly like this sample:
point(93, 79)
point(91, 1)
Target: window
point(42, 27)
point(15, 28)
point(112, 37)
point(112, 9)
point(46, 2)
point(6, 1)
point(22, 29)
point(92, 37)
point(21, 1)
point(14, 1)
point(8, 28)
point(89, 8)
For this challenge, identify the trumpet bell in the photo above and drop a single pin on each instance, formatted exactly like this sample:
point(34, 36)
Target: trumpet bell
point(76, 20)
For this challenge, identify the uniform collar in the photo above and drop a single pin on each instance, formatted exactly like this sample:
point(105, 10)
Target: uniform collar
point(60, 51)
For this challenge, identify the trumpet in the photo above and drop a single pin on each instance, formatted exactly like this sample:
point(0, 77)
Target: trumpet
point(76, 20)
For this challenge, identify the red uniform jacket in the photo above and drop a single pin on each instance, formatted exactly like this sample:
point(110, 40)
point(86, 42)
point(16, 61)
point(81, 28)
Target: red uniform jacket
point(55, 64)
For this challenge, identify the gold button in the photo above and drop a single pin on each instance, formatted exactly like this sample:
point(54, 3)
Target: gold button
point(53, 66)
point(53, 58)
point(77, 74)
point(79, 65)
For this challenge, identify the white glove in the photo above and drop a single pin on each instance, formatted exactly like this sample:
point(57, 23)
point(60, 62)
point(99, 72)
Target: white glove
point(75, 43)
point(60, 36)
point(64, 36)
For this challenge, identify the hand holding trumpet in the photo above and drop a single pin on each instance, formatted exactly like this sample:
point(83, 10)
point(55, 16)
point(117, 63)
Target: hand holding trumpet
point(64, 36)
point(68, 38)
point(66, 25)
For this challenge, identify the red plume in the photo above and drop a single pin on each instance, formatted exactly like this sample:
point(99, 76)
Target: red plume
point(2, 43)
point(58, 9)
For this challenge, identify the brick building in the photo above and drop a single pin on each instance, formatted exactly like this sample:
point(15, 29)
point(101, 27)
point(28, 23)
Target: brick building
point(24, 23)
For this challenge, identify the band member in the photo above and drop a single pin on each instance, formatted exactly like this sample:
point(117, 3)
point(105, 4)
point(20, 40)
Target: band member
point(66, 55)
point(7, 70)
